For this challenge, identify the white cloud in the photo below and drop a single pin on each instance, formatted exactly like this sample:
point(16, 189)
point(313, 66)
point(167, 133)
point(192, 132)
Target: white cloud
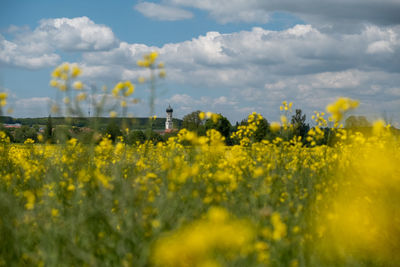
point(37, 49)
point(15, 29)
point(34, 107)
point(226, 11)
point(20, 56)
point(76, 34)
point(379, 47)
point(251, 57)
point(343, 13)
point(258, 69)
point(162, 12)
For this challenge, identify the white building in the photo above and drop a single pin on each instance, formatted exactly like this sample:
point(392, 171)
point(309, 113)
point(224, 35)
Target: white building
point(168, 122)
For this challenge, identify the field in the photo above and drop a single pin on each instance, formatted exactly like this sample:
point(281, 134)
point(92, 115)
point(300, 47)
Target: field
point(193, 201)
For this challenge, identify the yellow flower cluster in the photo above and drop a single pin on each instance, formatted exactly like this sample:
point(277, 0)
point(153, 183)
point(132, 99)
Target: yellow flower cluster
point(149, 61)
point(209, 115)
point(125, 88)
point(202, 242)
point(285, 106)
point(361, 219)
point(245, 133)
point(340, 107)
point(63, 73)
point(122, 90)
point(3, 99)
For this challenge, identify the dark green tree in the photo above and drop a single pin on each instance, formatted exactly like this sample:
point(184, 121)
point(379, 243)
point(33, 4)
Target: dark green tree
point(300, 128)
point(113, 130)
point(192, 122)
point(8, 132)
point(222, 125)
point(135, 136)
point(155, 137)
point(48, 132)
point(25, 132)
point(263, 130)
point(62, 133)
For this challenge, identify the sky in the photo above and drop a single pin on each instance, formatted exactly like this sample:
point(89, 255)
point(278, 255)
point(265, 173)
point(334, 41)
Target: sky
point(231, 57)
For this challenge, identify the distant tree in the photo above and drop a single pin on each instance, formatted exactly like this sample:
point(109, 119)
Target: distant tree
point(6, 119)
point(8, 132)
point(222, 125)
point(263, 130)
point(135, 136)
point(155, 137)
point(356, 122)
point(62, 133)
point(166, 136)
point(113, 130)
point(25, 132)
point(48, 132)
point(300, 128)
point(192, 122)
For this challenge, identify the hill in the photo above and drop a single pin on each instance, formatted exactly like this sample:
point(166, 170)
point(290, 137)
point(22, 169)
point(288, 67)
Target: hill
point(102, 122)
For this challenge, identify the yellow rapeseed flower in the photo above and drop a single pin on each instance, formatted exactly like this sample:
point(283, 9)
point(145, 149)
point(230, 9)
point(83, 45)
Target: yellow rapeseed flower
point(81, 97)
point(342, 105)
point(76, 71)
point(113, 114)
point(162, 74)
point(78, 85)
point(30, 200)
point(3, 96)
point(53, 83)
point(54, 212)
point(275, 126)
point(202, 115)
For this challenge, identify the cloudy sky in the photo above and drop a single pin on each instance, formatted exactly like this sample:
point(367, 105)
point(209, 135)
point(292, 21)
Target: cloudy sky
point(227, 56)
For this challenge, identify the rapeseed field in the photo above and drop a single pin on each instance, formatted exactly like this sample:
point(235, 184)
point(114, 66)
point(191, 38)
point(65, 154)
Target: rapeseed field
point(193, 201)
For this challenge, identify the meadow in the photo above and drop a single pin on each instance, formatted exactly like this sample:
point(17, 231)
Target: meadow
point(193, 201)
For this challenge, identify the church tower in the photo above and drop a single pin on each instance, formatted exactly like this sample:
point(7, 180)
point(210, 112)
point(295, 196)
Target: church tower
point(168, 122)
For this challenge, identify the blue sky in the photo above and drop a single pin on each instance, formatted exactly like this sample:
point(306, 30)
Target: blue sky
point(230, 57)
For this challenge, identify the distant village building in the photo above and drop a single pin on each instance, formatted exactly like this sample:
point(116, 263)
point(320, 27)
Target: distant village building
point(12, 125)
point(168, 122)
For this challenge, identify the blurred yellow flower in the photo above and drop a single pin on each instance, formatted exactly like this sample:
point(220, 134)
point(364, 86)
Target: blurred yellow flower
point(275, 126)
point(342, 105)
point(162, 73)
point(78, 85)
point(55, 109)
point(202, 115)
point(81, 97)
point(30, 200)
point(113, 114)
point(54, 212)
point(53, 83)
point(3, 96)
point(76, 71)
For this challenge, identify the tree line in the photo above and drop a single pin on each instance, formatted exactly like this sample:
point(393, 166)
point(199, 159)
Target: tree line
point(87, 130)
